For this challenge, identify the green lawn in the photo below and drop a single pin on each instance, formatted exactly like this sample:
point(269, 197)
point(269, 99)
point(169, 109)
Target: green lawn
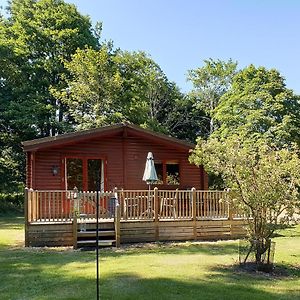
point(154, 271)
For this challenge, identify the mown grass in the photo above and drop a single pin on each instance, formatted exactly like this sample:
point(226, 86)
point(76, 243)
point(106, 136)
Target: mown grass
point(144, 271)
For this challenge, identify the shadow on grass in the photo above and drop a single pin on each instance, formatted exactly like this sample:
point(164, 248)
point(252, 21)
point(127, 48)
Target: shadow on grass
point(288, 231)
point(177, 248)
point(280, 272)
point(12, 222)
point(61, 273)
point(131, 286)
point(38, 275)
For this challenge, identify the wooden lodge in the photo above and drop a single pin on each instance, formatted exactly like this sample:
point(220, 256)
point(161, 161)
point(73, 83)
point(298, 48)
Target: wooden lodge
point(64, 172)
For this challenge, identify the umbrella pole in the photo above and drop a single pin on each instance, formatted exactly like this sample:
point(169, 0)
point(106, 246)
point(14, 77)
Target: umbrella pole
point(149, 202)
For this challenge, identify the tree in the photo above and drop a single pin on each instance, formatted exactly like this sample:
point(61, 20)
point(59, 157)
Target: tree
point(110, 86)
point(42, 35)
point(93, 88)
point(259, 105)
point(263, 181)
point(210, 82)
point(255, 150)
point(35, 39)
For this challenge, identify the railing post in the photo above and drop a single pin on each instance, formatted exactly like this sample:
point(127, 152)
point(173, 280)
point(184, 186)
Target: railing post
point(117, 220)
point(27, 219)
point(75, 231)
point(156, 215)
point(36, 205)
point(122, 203)
point(194, 211)
point(230, 215)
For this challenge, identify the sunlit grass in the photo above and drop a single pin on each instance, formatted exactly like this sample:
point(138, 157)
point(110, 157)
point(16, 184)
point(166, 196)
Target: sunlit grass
point(189, 270)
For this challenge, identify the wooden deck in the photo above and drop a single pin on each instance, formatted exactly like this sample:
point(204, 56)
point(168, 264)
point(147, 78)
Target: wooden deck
point(67, 218)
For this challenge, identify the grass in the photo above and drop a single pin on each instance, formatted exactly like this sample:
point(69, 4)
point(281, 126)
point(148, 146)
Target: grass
point(189, 270)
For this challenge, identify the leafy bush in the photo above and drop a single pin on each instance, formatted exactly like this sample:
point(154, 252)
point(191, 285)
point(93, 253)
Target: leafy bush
point(11, 202)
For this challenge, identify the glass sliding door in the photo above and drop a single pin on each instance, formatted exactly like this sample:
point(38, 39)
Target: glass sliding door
point(74, 168)
point(83, 173)
point(94, 174)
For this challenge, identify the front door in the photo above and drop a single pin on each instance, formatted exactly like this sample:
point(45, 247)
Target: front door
point(84, 173)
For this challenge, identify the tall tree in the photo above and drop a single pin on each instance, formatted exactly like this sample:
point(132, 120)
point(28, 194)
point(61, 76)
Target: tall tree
point(35, 39)
point(39, 36)
point(254, 150)
point(93, 87)
point(211, 82)
point(260, 106)
point(113, 86)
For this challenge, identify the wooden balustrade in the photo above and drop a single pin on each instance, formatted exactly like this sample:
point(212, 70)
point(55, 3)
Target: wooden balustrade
point(211, 204)
point(136, 204)
point(43, 206)
point(133, 205)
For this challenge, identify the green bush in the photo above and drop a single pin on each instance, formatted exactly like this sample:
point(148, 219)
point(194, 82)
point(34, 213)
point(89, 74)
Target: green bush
point(11, 202)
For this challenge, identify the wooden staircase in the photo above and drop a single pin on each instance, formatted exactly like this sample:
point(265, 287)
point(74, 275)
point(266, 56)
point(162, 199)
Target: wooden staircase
point(85, 234)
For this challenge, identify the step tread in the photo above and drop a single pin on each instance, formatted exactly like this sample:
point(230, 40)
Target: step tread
point(93, 233)
point(100, 242)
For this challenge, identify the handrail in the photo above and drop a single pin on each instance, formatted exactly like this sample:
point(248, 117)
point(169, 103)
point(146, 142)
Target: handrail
point(63, 205)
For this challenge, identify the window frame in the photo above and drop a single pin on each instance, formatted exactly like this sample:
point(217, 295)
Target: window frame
point(84, 169)
point(164, 164)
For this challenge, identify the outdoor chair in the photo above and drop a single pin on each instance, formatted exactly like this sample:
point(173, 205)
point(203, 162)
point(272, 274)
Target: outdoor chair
point(168, 206)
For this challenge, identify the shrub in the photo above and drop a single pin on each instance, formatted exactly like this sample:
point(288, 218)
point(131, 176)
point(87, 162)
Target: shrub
point(11, 202)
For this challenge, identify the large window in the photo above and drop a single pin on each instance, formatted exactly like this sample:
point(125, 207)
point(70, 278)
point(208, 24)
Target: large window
point(74, 173)
point(84, 174)
point(168, 173)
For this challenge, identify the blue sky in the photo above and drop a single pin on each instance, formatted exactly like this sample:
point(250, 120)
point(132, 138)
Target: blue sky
point(180, 34)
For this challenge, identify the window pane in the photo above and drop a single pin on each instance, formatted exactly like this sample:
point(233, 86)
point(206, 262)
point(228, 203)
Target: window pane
point(94, 173)
point(159, 172)
point(74, 173)
point(173, 173)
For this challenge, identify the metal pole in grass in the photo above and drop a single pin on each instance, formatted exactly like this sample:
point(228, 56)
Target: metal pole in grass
point(97, 234)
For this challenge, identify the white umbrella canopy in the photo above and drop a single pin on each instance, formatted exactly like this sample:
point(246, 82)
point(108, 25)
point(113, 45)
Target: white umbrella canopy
point(150, 175)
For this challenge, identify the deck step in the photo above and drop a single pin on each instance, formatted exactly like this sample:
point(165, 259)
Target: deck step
point(101, 233)
point(93, 243)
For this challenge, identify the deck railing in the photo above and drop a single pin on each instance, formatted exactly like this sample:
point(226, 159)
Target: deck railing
point(43, 206)
point(47, 206)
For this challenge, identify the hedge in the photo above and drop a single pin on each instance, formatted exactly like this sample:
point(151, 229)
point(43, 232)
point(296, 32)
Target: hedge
point(11, 202)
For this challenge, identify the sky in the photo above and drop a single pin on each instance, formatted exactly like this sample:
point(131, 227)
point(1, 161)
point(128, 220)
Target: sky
point(180, 34)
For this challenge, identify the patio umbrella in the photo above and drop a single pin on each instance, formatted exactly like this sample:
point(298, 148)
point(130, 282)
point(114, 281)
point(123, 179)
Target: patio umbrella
point(150, 177)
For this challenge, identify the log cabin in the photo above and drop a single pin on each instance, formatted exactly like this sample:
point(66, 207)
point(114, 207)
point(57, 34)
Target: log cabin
point(75, 181)
point(116, 153)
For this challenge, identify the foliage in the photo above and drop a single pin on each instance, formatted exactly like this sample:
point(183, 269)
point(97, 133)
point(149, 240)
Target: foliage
point(11, 202)
point(35, 40)
point(211, 82)
point(259, 106)
point(111, 86)
point(91, 95)
point(263, 181)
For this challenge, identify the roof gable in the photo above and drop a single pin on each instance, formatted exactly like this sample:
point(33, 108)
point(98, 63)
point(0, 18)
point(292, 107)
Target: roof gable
point(112, 130)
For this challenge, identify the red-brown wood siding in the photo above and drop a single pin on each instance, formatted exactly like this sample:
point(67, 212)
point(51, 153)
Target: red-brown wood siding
point(28, 170)
point(124, 157)
point(44, 179)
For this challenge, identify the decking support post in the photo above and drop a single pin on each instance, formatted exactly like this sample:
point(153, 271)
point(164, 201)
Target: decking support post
point(230, 218)
point(194, 212)
point(75, 231)
point(27, 219)
point(156, 215)
point(117, 219)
